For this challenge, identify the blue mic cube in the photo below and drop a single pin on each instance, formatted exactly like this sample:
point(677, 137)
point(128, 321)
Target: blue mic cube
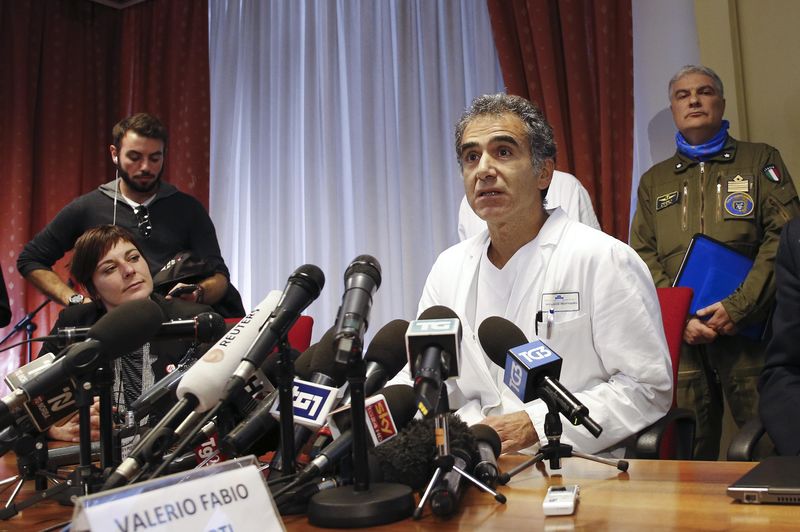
point(527, 365)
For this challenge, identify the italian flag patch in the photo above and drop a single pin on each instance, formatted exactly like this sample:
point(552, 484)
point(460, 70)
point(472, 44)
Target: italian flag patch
point(772, 173)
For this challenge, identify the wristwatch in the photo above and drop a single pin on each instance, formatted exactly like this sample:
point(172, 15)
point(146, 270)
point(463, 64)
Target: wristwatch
point(75, 299)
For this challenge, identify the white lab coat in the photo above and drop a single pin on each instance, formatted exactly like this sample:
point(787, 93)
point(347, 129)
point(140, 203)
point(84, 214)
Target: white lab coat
point(565, 191)
point(615, 357)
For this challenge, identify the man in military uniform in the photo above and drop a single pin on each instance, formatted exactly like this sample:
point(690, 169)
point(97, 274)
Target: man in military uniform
point(741, 194)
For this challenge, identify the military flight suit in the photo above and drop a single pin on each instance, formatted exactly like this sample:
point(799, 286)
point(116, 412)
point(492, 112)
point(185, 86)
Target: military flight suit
point(742, 196)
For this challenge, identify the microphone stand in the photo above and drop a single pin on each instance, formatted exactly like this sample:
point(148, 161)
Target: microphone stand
point(86, 478)
point(26, 323)
point(83, 480)
point(554, 451)
point(444, 461)
point(31, 451)
point(286, 406)
point(285, 395)
point(362, 504)
point(104, 382)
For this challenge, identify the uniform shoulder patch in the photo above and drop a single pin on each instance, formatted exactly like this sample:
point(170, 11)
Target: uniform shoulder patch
point(772, 173)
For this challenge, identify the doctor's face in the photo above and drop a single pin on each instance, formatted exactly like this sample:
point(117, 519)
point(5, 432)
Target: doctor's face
point(499, 179)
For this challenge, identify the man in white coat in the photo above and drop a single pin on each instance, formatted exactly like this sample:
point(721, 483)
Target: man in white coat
point(608, 327)
point(565, 191)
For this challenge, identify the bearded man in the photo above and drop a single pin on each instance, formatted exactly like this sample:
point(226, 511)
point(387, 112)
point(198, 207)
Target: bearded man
point(164, 220)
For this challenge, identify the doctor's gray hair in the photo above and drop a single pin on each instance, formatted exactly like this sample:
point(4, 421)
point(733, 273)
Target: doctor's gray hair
point(696, 69)
point(537, 130)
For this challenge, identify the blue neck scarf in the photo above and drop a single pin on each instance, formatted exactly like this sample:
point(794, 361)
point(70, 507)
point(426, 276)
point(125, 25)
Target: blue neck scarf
point(706, 150)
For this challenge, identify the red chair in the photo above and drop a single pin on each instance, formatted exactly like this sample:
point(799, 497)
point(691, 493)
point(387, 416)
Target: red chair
point(674, 302)
point(671, 437)
point(299, 335)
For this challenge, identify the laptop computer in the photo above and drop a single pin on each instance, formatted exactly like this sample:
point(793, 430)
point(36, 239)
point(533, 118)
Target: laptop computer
point(775, 480)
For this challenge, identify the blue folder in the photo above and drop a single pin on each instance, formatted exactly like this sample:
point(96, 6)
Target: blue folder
point(714, 271)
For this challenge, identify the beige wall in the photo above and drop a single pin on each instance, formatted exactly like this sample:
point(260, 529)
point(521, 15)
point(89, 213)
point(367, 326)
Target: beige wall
point(754, 45)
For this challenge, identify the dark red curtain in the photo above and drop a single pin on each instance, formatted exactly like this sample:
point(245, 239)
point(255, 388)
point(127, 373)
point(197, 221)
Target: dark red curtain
point(70, 71)
point(574, 58)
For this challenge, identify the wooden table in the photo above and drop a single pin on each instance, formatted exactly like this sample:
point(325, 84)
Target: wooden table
point(652, 495)
point(45, 514)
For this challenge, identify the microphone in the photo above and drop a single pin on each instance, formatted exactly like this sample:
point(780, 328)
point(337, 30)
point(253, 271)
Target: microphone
point(207, 377)
point(255, 426)
point(302, 364)
point(383, 419)
point(166, 387)
point(50, 407)
point(118, 332)
point(205, 327)
point(532, 370)
point(249, 430)
point(12, 436)
point(433, 343)
point(270, 366)
point(260, 422)
point(446, 495)
point(302, 288)
point(199, 389)
point(295, 501)
point(361, 280)
point(385, 357)
point(324, 371)
point(410, 457)
point(64, 456)
point(314, 398)
point(160, 392)
point(489, 445)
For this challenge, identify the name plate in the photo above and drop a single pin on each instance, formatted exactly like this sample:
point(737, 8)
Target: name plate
point(227, 497)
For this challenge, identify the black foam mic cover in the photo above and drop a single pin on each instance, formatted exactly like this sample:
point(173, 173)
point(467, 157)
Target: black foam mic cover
point(409, 458)
point(497, 336)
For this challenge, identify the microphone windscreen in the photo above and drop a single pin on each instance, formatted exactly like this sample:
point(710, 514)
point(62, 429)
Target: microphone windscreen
point(302, 364)
point(128, 326)
point(366, 264)
point(210, 327)
point(388, 347)
point(402, 403)
point(270, 366)
point(487, 434)
point(497, 335)
point(310, 277)
point(409, 458)
point(324, 360)
point(461, 438)
point(437, 312)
